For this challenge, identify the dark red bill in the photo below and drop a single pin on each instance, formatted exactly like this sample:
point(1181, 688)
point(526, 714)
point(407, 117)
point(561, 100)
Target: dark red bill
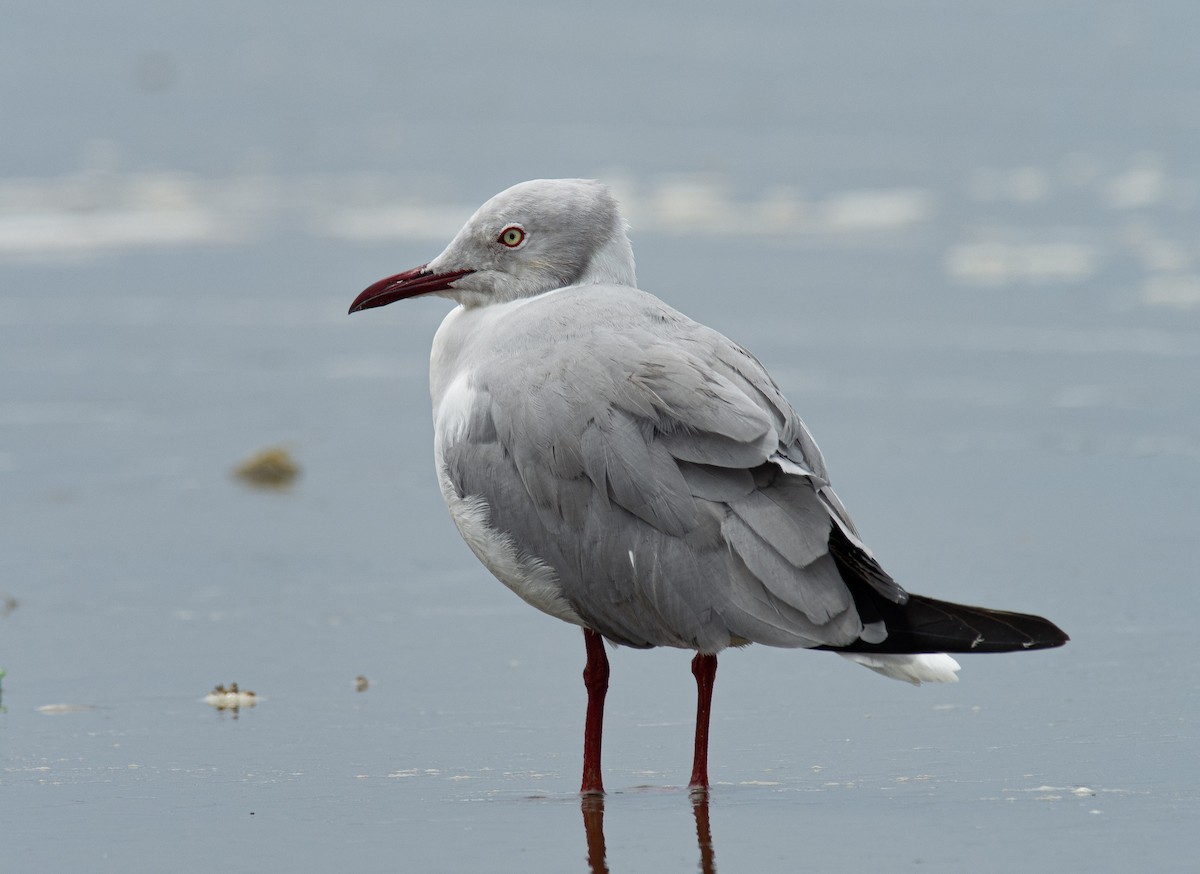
point(410, 283)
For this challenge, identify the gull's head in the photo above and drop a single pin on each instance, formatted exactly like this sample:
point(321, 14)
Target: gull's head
point(532, 238)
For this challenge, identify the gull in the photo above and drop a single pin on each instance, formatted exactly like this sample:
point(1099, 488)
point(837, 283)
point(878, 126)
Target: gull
point(626, 469)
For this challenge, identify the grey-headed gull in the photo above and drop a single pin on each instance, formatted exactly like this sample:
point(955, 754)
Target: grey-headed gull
point(626, 469)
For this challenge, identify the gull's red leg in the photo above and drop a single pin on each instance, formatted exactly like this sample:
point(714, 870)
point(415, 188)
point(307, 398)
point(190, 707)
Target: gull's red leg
point(704, 668)
point(595, 679)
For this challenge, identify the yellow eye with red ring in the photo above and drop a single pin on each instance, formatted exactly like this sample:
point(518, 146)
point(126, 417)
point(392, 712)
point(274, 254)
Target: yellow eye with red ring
point(512, 236)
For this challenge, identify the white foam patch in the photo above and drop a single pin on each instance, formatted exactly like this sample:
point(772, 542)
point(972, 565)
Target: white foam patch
point(935, 667)
point(996, 262)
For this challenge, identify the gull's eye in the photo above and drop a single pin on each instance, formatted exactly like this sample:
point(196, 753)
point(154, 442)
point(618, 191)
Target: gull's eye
point(512, 236)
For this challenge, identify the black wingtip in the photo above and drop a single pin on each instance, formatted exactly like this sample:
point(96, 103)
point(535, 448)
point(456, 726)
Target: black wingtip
point(917, 624)
point(929, 625)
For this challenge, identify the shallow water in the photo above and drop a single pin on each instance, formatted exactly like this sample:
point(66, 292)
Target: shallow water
point(1010, 424)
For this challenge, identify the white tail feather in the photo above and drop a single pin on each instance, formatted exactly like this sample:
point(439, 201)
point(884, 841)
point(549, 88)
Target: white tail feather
point(927, 667)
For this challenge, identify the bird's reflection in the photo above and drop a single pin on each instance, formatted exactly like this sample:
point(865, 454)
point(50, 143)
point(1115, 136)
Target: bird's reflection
point(593, 825)
point(704, 841)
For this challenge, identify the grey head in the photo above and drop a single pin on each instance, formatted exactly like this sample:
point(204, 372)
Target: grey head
point(532, 238)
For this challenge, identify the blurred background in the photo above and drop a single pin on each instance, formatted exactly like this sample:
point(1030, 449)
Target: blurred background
point(964, 237)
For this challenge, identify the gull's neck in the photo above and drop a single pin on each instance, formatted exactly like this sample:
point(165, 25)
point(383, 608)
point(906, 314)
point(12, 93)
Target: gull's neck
point(612, 264)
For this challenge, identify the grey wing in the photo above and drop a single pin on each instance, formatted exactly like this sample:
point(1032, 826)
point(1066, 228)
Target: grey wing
point(675, 494)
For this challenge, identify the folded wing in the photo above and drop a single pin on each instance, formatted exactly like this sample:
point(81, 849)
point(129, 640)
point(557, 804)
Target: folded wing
point(656, 467)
